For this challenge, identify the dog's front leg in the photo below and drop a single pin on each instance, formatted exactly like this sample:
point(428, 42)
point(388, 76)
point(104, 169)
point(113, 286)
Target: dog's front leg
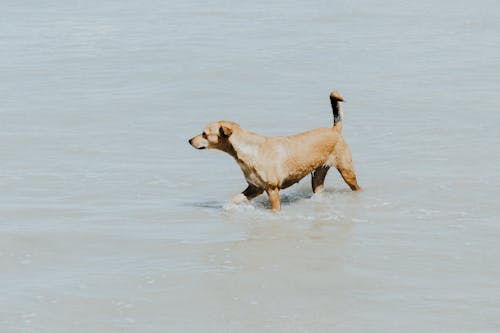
point(274, 198)
point(248, 194)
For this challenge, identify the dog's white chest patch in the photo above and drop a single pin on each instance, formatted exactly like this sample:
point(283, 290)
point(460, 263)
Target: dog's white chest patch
point(251, 175)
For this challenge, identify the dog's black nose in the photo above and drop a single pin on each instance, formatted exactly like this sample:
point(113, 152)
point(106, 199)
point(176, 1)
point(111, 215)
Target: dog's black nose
point(190, 140)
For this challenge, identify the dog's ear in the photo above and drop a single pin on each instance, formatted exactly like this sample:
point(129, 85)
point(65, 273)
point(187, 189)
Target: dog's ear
point(225, 131)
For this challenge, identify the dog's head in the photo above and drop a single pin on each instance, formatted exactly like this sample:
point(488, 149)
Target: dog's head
point(215, 136)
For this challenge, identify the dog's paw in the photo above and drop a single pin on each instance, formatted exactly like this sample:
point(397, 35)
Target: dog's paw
point(239, 199)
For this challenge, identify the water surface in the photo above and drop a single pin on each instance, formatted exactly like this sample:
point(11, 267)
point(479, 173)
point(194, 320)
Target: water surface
point(111, 222)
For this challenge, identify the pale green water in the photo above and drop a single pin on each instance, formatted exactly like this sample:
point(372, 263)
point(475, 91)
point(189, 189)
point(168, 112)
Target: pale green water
point(111, 222)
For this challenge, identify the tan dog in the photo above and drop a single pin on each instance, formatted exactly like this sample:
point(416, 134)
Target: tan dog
point(274, 163)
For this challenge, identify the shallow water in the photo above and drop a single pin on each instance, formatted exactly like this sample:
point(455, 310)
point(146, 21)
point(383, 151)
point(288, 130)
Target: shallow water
point(111, 222)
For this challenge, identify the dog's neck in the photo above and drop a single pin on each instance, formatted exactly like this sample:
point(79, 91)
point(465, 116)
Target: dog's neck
point(245, 145)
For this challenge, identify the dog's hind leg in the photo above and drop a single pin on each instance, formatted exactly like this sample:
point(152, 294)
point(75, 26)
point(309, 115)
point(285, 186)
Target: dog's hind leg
point(345, 166)
point(274, 198)
point(248, 194)
point(346, 169)
point(350, 178)
point(318, 178)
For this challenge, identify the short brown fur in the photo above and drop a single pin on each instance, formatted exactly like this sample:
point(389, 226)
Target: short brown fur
point(273, 163)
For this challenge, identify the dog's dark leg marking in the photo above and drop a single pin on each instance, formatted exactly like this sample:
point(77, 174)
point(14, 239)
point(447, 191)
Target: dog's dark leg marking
point(318, 178)
point(252, 191)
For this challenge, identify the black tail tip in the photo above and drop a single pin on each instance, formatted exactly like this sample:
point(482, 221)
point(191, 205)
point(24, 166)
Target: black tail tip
point(335, 96)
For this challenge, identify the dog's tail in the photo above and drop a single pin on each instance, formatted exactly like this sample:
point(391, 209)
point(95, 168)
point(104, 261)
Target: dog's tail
point(335, 99)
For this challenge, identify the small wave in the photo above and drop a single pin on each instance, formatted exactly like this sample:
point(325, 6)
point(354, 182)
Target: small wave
point(230, 207)
point(209, 204)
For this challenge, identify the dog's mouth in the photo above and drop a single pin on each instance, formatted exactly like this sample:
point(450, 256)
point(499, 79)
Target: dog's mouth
point(195, 144)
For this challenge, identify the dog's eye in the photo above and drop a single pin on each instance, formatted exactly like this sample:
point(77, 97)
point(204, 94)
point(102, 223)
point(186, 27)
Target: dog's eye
point(204, 134)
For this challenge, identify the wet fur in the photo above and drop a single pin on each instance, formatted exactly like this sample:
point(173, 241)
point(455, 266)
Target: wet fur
point(273, 163)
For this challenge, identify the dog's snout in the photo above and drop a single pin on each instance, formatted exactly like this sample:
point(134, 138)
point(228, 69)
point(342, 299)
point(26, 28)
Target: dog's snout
point(190, 141)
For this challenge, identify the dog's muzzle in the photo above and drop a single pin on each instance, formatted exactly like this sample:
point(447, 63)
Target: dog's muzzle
point(191, 143)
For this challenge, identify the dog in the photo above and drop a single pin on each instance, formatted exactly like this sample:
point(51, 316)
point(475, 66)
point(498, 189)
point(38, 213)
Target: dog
point(273, 163)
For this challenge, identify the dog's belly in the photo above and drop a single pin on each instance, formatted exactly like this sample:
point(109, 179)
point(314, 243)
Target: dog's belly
point(296, 177)
point(279, 174)
point(296, 170)
point(289, 182)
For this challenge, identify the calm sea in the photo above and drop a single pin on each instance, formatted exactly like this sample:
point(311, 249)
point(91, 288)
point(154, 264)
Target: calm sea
point(111, 222)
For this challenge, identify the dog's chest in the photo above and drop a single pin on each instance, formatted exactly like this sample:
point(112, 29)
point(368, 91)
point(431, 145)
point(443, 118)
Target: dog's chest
point(252, 176)
point(263, 166)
